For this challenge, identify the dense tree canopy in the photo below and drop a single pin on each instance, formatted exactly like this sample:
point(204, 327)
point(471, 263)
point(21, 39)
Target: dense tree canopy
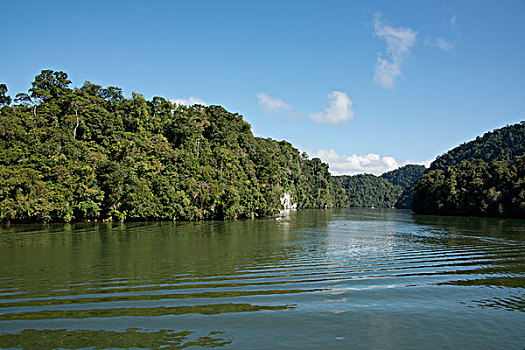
point(484, 177)
point(503, 144)
point(474, 188)
point(405, 176)
point(88, 153)
point(391, 189)
point(365, 191)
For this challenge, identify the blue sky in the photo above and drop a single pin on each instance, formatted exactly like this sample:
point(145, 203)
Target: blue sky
point(365, 85)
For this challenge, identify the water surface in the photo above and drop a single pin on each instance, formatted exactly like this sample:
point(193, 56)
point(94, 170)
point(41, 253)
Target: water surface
point(331, 279)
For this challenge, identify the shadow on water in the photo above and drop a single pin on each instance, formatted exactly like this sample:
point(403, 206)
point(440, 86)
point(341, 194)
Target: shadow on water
point(99, 339)
point(214, 309)
point(97, 271)
point(473, 226)
point(500, 242)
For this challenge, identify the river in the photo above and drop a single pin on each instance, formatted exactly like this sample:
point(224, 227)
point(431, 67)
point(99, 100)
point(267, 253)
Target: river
point(315, 279)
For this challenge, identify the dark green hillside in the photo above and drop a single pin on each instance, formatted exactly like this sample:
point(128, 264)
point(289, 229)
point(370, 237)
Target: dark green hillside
point(405, 176)
point(484, 177)
point(503, 144)
point(365, 191)
point(474, 188)
point(89, 153)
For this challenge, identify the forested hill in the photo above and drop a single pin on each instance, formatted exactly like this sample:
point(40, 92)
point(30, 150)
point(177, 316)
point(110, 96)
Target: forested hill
point(89, 153)
point(392, 189)
point(405, 176)
point(503, 144)
point(365, 190)
point(473, 188)
point(484, 177)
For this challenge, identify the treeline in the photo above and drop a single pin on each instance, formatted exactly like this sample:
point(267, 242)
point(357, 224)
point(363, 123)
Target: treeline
point(392, 189)
point(484, 177)
point(405, 176)
point(89, 153)
point(504, 144)
point(474, 188)
point(365, 191)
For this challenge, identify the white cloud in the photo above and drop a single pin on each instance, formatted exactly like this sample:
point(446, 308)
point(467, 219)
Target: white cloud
point(441, 43)
point(444, 44)
point(339, 109)
point(386, 72)
point(190, 101)
point(426, 163)
point(399, 41)
point(453, 21)
point(356, 164)
point(270, 104)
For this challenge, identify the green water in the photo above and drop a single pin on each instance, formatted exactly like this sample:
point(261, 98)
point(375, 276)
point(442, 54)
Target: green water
point(316, 279)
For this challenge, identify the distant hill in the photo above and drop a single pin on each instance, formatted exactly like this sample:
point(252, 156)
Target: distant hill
point(391, 189)
point(503, 144)
point(365, 191)
point(405, 176)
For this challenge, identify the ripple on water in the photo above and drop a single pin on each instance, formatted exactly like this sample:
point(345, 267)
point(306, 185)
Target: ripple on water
point(311, 277)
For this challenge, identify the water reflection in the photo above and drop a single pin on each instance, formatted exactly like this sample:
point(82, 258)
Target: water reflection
point(99, 339)
point(487, 227)
point(212, 309)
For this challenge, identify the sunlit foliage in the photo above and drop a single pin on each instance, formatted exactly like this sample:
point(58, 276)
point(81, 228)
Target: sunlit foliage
point(89, 153)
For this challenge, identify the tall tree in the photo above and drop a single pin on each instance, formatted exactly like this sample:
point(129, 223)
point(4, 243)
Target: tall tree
point(49, 84)
point(4, 99)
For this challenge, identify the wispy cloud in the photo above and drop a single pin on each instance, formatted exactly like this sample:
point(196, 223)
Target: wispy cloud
point(339, 109)
point(441, 43)
point(386, 73)
point(359, 164)
point(444, 44)
point(399, 41)
point(270, 104)
point(453, 21)
point(190, 101)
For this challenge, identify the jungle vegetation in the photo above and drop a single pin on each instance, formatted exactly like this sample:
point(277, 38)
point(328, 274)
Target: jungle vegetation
point(474, 188)
point(391, 189)
point(504, 144)
point(405, 177)
point(484, 177)
point(89, 153)
point(365, 190)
